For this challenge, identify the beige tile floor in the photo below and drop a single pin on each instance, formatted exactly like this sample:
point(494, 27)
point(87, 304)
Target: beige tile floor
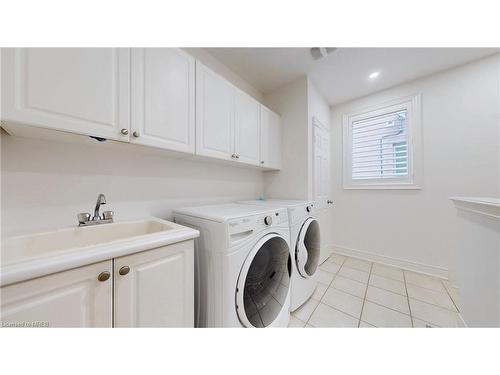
point(357, 293)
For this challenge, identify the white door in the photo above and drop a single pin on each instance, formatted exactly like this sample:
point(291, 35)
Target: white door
point(157, 288)
point(321, 178)
point(74, 298)
point(247, 129)
point(214, 114)
point(163, 99)
point(79, 90)
point(270, 152)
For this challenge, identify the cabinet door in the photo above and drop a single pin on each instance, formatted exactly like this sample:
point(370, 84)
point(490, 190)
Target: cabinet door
point(74, 298)
point(158, 290)
point(247, 129)
point(79, 90)
point(163, 99)
point(270, 151)
point(214, 114)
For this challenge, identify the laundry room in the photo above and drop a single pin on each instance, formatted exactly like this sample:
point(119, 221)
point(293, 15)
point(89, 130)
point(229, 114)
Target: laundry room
point(214, 185)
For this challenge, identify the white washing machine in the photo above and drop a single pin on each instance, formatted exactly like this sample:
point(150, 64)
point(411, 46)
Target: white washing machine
point(242, 265)
point(305, 242)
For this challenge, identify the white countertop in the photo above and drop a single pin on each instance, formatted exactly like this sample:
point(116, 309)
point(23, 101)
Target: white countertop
point(13, 271)
point(481, 205)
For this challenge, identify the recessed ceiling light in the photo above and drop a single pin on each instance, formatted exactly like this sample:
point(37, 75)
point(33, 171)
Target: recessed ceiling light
point(374, 75)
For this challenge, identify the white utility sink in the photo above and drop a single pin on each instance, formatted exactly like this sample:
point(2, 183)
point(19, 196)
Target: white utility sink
point(41, 253)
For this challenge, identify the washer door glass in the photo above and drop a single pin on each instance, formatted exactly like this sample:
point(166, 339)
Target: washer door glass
point(264, 282)
point(307, 249)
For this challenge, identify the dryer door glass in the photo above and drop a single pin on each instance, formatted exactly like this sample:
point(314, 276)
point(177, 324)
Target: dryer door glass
point(266, 282)
point(307, 250)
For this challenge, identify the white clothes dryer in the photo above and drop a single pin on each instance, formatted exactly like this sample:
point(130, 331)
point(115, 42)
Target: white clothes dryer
point(305, 242)
point(242, 265)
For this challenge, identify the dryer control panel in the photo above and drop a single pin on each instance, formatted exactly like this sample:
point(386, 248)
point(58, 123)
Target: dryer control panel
point(298, 212)
point(238, 228)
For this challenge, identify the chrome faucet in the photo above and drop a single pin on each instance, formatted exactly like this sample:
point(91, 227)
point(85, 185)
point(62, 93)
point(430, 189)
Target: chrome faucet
point(101, 199)
point(84, 218)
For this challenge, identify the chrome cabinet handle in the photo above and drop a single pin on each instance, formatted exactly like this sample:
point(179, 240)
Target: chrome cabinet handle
point(233, 156)
point(124, 131)
point(329, 201)
point(124, 270)
point(103, 276)
point(136, 134)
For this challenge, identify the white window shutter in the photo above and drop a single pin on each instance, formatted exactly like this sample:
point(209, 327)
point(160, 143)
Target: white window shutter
point(380, 146)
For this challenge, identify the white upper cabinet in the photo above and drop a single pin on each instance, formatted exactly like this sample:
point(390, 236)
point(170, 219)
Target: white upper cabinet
point(156, 97)
point(163, 109)
point(227, 119)
point(214, 114)
point(79, 90)
point(247, 129)
point(270, 144)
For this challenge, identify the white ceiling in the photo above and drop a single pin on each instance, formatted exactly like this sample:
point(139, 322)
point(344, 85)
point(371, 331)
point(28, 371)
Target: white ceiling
point(342, 75)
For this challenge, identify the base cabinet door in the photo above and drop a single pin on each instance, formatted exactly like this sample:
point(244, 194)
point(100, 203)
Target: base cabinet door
point(74, 298)
point(78, 90)
point(163, 106)
point(270, 144)
point(155, 288)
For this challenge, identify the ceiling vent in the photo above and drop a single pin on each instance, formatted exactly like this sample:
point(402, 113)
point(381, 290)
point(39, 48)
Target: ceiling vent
point(320, 52)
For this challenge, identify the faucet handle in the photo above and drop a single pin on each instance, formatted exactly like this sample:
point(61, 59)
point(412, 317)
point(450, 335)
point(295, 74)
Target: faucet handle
point(83, 217)
point(107, 215)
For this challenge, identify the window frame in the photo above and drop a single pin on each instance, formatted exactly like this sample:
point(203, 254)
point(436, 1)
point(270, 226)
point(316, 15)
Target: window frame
point(413, 180)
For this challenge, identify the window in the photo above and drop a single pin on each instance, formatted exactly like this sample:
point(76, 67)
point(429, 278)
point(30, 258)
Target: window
point(381, 146)
point(400, 157)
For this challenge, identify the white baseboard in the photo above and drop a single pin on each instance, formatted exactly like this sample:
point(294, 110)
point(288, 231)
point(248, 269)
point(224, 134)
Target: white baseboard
point(428, 269)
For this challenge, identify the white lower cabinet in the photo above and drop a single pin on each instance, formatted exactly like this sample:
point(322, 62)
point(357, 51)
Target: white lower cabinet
point(155, 288)
point(74, 298)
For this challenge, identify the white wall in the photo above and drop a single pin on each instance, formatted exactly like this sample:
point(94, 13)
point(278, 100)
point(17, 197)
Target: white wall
point(460, 156)
point(46, 183)
point(292, 181)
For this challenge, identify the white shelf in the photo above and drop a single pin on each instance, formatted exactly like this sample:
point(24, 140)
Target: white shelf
point(481, 205)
